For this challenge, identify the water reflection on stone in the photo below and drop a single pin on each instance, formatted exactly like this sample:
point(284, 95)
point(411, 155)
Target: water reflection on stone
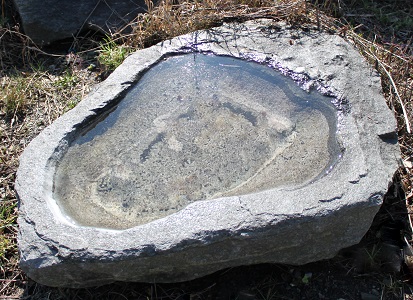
point(195, 127)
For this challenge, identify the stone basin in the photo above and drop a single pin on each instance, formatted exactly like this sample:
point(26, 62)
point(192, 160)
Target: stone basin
point(247, 143)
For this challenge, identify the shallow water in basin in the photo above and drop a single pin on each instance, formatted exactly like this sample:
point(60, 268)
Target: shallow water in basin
point(195, 127)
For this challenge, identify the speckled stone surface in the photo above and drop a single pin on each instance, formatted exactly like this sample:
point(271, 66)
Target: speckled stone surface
point(269, 211)
point(195, 127)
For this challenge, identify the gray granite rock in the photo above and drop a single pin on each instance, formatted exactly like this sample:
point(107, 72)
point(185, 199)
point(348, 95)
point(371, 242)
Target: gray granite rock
point(47, 21)
point(293, 225)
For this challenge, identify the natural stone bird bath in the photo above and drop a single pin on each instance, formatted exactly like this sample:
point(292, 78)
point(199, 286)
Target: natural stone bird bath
point(219, 148)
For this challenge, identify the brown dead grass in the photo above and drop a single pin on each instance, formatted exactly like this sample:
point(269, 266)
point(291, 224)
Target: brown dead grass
point(36, 88)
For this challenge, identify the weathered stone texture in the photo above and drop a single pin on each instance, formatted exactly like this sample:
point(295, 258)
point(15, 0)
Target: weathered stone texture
point(293, 226)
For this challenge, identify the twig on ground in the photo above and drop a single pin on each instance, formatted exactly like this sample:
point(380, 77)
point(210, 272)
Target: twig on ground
point(406, 119)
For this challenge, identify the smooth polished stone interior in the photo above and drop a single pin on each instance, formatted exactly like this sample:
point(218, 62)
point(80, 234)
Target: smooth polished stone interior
point(195, 127)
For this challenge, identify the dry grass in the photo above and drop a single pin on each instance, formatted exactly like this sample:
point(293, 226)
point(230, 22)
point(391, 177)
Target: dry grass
point(36, 88)
point(175, 17)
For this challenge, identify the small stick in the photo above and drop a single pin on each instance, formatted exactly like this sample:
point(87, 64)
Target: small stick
point(397, 93)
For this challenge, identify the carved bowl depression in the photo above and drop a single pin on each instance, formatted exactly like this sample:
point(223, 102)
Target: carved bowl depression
point(195, 127)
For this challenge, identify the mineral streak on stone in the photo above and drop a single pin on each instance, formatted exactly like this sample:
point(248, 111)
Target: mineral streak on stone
point(256, 213)
point(195, 127)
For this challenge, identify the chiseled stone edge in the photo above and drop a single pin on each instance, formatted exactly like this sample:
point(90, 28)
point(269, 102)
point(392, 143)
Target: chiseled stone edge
point(283, 226)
